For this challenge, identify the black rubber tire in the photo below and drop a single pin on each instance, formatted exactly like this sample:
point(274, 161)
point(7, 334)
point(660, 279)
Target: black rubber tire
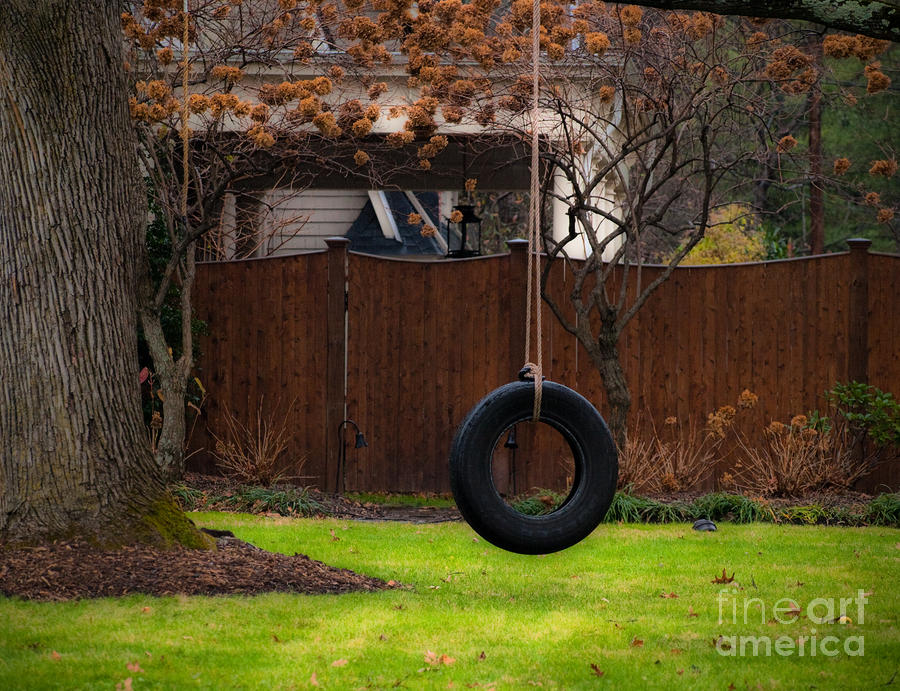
point(594, 483)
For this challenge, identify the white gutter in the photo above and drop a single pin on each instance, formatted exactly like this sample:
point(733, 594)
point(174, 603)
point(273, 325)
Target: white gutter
point(385, 217)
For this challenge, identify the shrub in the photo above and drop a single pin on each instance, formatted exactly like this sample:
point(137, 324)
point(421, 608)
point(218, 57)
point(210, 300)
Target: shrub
point(251, 453)
point(734, 507)
point(681, 458)
point(792, 460)
point(538, 502)
point(869, 412)
point(884, 510)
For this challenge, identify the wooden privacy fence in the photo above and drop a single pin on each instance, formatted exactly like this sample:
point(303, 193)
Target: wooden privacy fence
point(405, 348)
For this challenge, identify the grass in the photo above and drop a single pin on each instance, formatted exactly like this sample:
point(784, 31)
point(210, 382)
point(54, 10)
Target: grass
point(508, 621)
point(404, 500)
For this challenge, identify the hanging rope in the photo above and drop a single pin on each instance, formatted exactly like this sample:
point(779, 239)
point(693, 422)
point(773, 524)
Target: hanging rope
point(185, 114)
point(533, 296)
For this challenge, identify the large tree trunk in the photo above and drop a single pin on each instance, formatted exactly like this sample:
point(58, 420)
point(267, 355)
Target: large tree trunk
point(876, 18)
point(74, 458)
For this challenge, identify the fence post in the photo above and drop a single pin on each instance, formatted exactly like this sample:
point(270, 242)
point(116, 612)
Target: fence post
point(516, 290)
point(336, 357)
point(858, 312)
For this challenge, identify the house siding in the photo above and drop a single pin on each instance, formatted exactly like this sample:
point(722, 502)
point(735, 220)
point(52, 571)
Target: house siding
point(310, 216)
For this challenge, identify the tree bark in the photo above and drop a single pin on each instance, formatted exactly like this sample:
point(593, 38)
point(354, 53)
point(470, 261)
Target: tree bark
point(816, 192)
point(605, 356)
point(74, 457)
point(875, 18)
point(173, 376)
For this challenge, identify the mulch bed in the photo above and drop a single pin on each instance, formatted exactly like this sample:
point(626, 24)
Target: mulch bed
point(73, 570)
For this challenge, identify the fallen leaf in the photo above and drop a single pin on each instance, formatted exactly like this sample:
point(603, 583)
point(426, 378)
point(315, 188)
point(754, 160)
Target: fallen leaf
point(724, 578)
point(339, 663)
point(680, 671)
point(731, 687)
point(637, 642)
point(677, 651)
point(124, 685)
point(55, 655)
point(334, 538)
point(721, 643)
point(145, 610)
point(134, 667)
point(482, 656)
point(596, 670)
point(668, 596)
point(436, 660)
point(313, 680)
point(392, 583)
point(691, 612)
point(382, 637)
point(795, 610)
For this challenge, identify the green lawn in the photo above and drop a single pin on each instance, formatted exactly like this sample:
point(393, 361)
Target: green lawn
point(507, 621)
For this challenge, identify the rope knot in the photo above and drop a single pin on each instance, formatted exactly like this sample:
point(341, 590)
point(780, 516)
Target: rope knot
point(535, 372)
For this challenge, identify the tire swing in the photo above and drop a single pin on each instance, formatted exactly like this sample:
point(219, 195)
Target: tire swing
point(593, 485)
point(532, 398)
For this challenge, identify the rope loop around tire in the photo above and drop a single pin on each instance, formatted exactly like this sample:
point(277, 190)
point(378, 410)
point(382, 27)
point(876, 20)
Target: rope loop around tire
point(594, 480)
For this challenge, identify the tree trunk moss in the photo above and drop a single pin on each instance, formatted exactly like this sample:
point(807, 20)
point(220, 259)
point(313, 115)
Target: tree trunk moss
point(167, 525)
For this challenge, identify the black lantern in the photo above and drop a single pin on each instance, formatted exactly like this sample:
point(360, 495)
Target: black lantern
point(468, 222)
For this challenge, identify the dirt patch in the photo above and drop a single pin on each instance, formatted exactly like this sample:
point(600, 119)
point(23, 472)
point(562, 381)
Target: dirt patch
point(417, 514)
point(73, 570)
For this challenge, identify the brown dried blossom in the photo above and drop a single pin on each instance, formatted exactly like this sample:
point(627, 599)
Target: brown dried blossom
point(841, 165)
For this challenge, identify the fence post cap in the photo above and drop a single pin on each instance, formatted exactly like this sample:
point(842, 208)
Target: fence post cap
point(517, 244)
point(859, 244)
point(337, 242)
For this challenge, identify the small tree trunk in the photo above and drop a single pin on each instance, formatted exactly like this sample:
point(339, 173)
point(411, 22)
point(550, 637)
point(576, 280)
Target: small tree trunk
point(816, 193)
point(74, 459)
point(172, 386)
point(605, 357)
